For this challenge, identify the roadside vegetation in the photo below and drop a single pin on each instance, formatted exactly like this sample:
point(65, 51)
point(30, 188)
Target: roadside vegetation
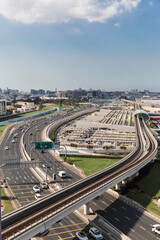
point(6, 202)
point(131, 119)
point(42, 109)
point(2, 128)
point(91, 165)
point(146, 188)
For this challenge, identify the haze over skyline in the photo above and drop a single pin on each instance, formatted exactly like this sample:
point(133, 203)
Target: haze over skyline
point(67, 44)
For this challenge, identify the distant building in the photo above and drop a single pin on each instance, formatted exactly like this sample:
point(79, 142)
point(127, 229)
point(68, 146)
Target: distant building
point(41, 92)
point(61, 94)
point(2, 107)
point(34, 92)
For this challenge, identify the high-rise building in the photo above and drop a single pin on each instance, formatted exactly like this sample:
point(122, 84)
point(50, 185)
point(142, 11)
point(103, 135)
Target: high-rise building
point(2, 107)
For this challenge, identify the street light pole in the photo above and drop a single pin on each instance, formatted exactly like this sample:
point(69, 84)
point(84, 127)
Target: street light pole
point(31, 152)
point(0, 216)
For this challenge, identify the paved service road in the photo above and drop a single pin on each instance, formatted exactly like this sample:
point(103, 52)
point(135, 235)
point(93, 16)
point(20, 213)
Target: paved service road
point(126, 218)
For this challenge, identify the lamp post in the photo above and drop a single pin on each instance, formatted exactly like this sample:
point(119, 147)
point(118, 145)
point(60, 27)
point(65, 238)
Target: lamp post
point(31, 152)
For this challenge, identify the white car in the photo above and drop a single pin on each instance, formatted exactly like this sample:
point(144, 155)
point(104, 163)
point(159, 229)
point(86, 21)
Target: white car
point(95, 233)
point(81, 235)
point(37, 196)
point(6, 147)
point(44, 185)
point(36, 189)
point(13, 141)
point(62, 174)
point(156, 228)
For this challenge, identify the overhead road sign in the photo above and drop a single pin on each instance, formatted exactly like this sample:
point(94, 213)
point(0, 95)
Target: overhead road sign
point(56, 145)
point(43, 145)
point(20, 163)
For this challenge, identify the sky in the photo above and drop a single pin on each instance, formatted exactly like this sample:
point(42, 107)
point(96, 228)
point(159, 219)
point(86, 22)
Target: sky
point(71, 44)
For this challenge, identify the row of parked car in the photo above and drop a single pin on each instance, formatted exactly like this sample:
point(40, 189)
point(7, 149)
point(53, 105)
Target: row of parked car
point(94, 232)
point(37, 189)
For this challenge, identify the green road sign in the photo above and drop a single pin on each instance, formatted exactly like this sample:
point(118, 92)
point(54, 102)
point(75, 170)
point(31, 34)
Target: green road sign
point(43, 145)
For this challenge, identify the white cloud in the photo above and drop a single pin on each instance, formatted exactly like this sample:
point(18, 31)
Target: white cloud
point(53, 11)
point(77, 31)
point(117, 24)
point(151, 3)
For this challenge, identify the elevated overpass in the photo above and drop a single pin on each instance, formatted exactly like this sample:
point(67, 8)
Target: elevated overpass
point(36, 217)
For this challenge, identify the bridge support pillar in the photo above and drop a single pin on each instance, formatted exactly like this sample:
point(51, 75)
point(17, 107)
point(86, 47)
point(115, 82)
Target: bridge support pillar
point(124, 181)
point(86, 209)
point(118, 187)
point(137, 174)
point(152, 161)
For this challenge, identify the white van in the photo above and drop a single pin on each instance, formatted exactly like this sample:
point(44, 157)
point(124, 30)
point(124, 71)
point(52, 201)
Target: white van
point(62, 174)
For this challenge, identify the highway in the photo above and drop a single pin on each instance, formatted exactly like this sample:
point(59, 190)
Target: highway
point(80, 188)
point(14, 150)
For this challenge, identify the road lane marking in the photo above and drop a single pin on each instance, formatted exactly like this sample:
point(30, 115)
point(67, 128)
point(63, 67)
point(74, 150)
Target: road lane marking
point(116, 219)
point(63, 226)
point(53, 234)
point(131, 229)
point(143, 228)
point(127, 218)
point(114, 209)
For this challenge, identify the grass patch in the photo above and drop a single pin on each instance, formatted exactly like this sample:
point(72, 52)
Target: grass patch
point(150, 184)
point(2, 129)
point(45, 108)
point(144, 201)
point(8, 208)
point(147, 187)
point(91, 165)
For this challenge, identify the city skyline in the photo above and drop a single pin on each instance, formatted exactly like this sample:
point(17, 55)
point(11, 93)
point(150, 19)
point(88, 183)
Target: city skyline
point(111, 45)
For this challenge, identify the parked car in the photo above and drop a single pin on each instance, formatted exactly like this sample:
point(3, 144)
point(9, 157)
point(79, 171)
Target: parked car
point(95, 233)
point(37, 196)
point(36, 189)
point(81, 235)
point(156, 228)
point(44, 185)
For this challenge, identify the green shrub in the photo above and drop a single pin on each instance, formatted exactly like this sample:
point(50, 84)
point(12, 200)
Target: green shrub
point(73, 145)
point(122, 147)
point(89, 146)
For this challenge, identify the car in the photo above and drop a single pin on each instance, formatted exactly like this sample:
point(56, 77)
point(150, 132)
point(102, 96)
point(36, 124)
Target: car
point(44, 185)
point(37, 196)
point(95, 233)
point(36, 189)
point(62, 174)
point(13, 141)
point(42, 151)
point(6, 147)
point(156, 228)
point(81, 235)
point(32, 142)
point(31, 134)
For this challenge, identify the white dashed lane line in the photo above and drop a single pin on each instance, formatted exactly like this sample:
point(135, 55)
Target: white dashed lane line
point(142, 228)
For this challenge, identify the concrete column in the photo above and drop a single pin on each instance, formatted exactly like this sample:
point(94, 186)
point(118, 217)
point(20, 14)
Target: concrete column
point(86, 208)
point(137, 174)
point(124, 181)
point(118, 187)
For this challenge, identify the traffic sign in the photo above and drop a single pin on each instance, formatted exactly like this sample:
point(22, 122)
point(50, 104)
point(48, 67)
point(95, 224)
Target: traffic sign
point(43, 145)
point(56, 145)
